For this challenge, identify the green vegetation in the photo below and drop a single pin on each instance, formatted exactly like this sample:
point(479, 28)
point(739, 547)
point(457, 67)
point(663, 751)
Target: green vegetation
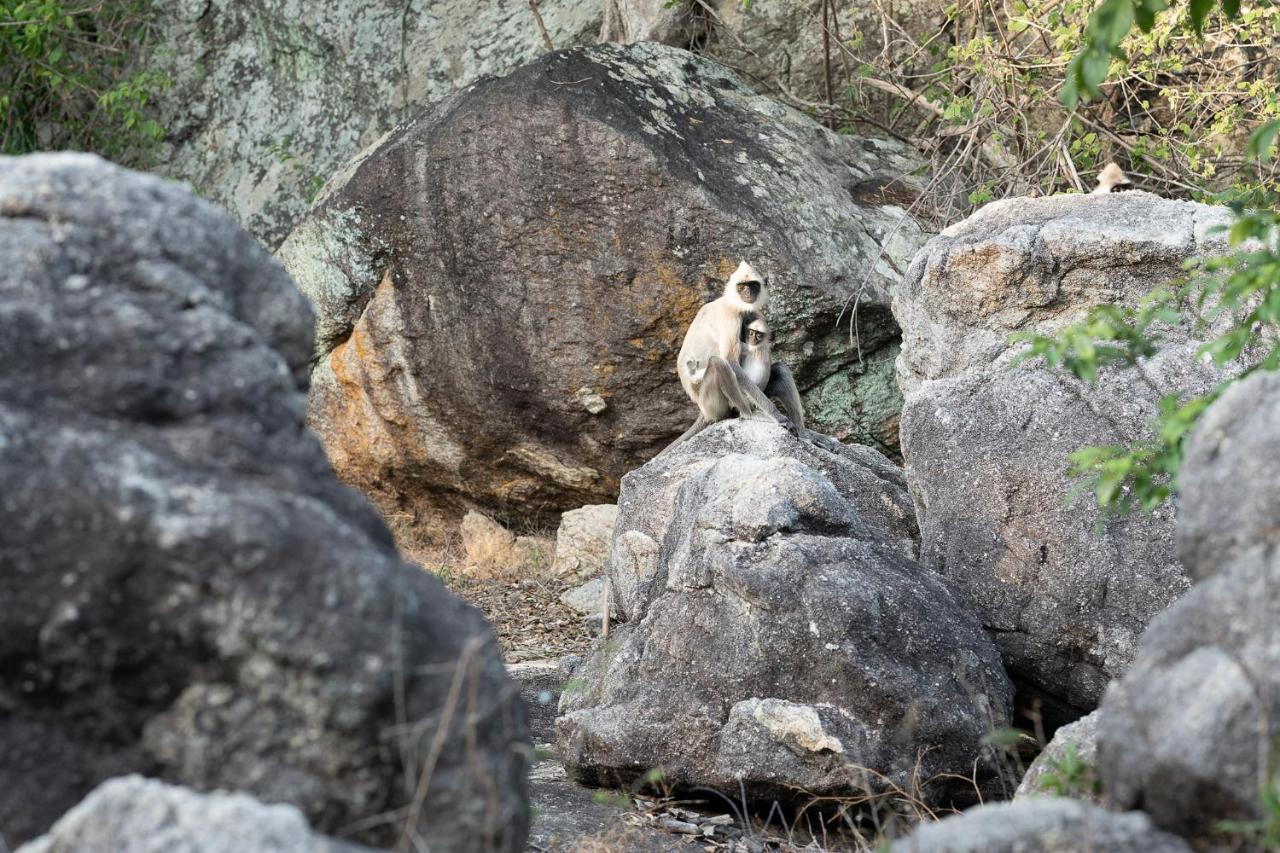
point(1263, 833)
point(1239, 294)
point(65, 81)
point(1071, 776)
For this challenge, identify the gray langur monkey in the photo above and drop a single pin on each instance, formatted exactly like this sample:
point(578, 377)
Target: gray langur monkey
point(1112, 179)
point(771, 377)
point(708, 362)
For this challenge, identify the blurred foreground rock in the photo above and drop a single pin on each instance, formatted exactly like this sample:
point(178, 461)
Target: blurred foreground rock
point(1041, 825)
point(187, 591)
point(131, 814)
point(1190, 733)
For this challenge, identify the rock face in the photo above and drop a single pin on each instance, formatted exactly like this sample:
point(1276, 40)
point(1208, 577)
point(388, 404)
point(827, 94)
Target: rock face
point(271, 98)
point(1066, 590)
point(518, 354)
point(131, 814)
point(1080, 737)
point(187, 591)
point(582, 540)
point(1041, 825)
point(784, 637)
point(1188, 730)
point(778, 46)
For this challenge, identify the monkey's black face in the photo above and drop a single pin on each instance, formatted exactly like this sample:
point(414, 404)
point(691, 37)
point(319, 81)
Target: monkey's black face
point(756, 338)
point(749, 291)
point(1119, 188)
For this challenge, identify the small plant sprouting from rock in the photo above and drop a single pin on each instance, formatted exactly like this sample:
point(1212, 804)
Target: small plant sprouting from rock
point(1263, 833)
point(65, 82)
point(1071, 776)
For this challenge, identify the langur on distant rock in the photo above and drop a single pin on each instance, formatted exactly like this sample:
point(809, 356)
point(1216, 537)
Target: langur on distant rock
point(1112, 179)
point(708, 362)
point(771, 377)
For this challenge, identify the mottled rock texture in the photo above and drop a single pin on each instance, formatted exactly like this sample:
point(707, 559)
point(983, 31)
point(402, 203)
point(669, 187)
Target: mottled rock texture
point(131, 814)
point(271, 98)
point(785, 639)
point(777, 46)
point(186, 590)
point(1041, 825)
point(1190, 732)
point(1065, 589)
point(582, 540)
point(1080, 738)
point(503, 282)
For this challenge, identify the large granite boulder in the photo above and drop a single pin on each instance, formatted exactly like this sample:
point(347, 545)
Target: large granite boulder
point(1041, 825)
point(503, 282)
point(1190, 732)
point(1066, 589)
point(187, 591)
point(130, 814)
point(786, 641)
point(271, 98)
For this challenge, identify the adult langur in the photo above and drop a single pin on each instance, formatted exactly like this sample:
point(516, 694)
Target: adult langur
point(772, 377)
point(708, 360)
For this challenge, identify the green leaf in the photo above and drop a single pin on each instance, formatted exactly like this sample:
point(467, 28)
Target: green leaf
point(1200, 10)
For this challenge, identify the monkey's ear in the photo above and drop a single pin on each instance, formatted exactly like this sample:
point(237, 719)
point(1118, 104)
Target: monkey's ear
point(766, 281)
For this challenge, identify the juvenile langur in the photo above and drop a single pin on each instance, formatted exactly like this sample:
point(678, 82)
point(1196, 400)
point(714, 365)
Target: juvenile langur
point(708, 362)
point(771, 377)
point(1112, 179)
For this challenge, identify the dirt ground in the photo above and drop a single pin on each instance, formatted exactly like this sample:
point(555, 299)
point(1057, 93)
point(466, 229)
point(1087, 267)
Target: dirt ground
point(519, 594)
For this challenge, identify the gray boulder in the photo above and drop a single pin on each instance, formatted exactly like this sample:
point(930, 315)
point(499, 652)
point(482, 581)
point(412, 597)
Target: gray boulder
point(1065, 589)
point(1189, 733)
point(1041, 825)
point(1079, 738)
point(515, 355)
point(131, 814)
point(187, 591)
point(269, 99)
point(582, 540)
point(1230, 479)
point(785, 640)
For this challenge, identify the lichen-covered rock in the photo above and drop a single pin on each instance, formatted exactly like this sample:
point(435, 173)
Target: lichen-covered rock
point(582, 540)
point(786, 641)
point(503, 282)
point(131, 814)
point(269, 99)
point(1041, 825)
point(1190, 729)
point(1065, 589)
point(778, 46)
point(187, 591)
point(1079, 739)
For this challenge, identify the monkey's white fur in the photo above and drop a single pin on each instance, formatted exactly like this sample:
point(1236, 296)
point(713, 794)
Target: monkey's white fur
point(1109, 178)
point(708, 362)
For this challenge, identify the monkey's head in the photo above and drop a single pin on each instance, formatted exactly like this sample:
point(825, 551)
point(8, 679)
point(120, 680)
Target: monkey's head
point(1112, 179)
point(755, 332)
point(748, 287)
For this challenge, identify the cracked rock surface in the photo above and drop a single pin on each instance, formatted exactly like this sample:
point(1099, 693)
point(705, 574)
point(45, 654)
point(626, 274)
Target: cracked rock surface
point(781, 636)
point(1065, 589)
